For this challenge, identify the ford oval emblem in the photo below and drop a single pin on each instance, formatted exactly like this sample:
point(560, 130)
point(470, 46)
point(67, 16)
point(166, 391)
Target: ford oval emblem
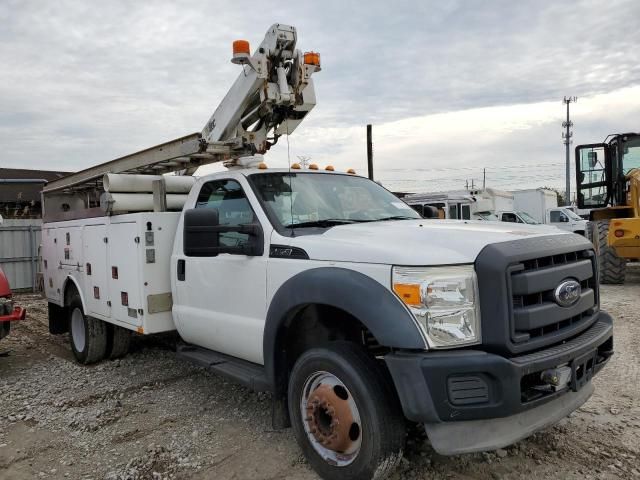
point(567, 293)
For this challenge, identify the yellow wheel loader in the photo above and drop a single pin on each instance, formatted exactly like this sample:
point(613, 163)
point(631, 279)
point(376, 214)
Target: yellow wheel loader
point(608, 183)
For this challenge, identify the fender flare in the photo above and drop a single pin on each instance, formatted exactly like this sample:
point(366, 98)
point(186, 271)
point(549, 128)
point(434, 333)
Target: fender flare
point(375, 306)
point(76, 284)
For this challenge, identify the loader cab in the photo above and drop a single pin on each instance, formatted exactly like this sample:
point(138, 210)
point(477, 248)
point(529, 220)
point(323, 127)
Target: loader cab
point(602, 168)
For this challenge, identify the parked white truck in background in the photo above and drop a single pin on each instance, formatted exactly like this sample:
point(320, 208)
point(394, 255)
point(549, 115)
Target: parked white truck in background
point(462, 205)
point(542, 205)
point(323, 288)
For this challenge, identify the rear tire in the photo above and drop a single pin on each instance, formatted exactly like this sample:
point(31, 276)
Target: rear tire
point(118, 341)
point(375, 441)
point(88, 336)
point(612, 267)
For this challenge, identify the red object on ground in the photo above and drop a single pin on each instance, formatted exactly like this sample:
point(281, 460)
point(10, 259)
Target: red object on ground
point(5, 291)
point(18, 313)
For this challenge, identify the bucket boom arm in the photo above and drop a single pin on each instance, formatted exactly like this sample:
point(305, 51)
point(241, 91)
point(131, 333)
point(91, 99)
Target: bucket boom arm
point(271, 96)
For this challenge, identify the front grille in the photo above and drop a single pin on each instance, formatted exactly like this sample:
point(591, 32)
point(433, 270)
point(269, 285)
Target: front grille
point(536, 319)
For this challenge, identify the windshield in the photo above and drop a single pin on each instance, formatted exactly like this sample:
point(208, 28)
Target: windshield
point(571, 214)
point(631, 155)
point(323, 200)
point(528, 218)
point(488, 216)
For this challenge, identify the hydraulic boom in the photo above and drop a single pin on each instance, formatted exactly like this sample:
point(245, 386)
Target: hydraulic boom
point(271, 96)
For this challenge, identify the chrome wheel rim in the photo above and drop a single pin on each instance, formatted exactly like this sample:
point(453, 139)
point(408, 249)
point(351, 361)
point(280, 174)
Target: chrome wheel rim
point(331, 419)
point(78, 334)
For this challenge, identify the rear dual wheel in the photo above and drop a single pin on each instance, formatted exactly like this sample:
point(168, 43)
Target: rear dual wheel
point(88, 335)
point(345, 414)
point(92, 339)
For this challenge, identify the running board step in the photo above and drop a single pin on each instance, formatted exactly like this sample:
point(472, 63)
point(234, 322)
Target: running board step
point(249, 374)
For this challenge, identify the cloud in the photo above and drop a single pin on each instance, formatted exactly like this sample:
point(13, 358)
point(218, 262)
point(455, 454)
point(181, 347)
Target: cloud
point(520, 146)
point(83, 83)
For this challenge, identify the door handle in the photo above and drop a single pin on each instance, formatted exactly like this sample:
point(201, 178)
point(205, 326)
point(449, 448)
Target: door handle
point(181, 270)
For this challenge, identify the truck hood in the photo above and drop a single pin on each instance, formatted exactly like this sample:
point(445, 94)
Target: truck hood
point(413, 242)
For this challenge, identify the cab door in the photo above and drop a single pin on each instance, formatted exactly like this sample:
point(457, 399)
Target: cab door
point(593, 175)
point(557, 218)
point(220, 300)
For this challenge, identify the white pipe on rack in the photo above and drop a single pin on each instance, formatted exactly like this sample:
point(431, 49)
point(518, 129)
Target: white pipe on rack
point(130, 183)
point(137, 202)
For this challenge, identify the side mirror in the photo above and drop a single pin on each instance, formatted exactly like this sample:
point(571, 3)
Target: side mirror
point(201, 235)
point(564, 219)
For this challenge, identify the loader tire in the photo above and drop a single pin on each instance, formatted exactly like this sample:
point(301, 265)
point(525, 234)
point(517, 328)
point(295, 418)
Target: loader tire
point(118, 341)
point(589, 232)
point(88, 335)
point(612, 267)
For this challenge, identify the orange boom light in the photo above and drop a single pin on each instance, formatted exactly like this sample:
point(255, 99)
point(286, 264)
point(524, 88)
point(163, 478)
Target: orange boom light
point(241, 46)
point(312, 58)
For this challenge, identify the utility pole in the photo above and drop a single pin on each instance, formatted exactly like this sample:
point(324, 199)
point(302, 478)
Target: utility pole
point(370, 151)
point(566, 135)
point(484, 178)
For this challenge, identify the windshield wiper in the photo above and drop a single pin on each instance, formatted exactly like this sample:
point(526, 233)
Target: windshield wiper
point(395, 217)
point(327, 222)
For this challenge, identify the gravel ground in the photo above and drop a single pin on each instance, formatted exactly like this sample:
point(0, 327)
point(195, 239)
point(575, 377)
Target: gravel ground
point(153, 416)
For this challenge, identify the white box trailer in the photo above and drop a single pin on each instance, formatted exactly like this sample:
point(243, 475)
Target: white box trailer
point(120, 265)
point(536, 202)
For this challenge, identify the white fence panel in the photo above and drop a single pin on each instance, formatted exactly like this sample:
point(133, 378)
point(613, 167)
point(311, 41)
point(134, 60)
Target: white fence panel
point(19, 241)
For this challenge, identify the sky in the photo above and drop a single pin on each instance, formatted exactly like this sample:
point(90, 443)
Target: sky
point(451, 88)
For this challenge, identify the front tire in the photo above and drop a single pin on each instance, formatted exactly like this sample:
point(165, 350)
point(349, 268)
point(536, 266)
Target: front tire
point(88, 336)
point(345, 415)
point(612, 267)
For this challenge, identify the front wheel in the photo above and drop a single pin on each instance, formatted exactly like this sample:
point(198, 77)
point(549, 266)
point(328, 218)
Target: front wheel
point(345, 414)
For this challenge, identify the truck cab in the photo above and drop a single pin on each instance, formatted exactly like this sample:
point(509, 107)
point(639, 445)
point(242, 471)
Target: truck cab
point(566, 219)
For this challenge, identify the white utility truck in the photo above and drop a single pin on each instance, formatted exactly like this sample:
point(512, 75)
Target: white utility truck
point(456, 205)
point(322, 287)
point(542, 205)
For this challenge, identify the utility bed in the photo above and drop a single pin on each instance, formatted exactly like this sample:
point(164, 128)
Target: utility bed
point(120, 265)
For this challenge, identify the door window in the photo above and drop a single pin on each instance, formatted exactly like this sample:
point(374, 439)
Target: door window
point(509, 217)
point(592, 176)
point(556, 216)
point(466, 212)
point(233, 208)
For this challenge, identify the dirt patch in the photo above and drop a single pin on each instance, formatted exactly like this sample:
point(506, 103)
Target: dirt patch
point(153, 416)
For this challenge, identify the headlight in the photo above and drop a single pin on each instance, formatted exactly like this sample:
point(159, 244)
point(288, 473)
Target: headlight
point(444, 300)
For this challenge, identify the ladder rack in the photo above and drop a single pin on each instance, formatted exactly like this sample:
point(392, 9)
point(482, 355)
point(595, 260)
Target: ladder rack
point(183, 153)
